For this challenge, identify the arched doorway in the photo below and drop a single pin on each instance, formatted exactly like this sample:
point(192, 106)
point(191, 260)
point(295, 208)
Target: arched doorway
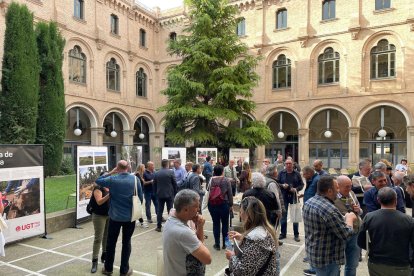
point(113, 137)
point(328, 139)
point(392, 144)
point(285, 132)
point(141, 137)
point(78, 132)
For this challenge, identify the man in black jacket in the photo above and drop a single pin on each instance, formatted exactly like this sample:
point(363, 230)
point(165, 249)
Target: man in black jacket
point(268, 198)
point(391, 235)
point(165, 186)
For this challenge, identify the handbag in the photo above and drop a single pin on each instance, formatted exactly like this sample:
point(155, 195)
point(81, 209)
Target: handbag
point(136, 206)
point(204, 204)
point(295, 211)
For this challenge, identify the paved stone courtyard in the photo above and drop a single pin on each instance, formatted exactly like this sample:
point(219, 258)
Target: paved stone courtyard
point(69, 253)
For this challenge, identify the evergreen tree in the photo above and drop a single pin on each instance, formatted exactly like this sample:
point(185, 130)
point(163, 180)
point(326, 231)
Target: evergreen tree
point(213, 84)
point(20, 78)
point(51, 119)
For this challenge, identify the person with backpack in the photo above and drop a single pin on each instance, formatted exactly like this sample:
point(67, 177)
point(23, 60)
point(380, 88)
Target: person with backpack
point(220, 202)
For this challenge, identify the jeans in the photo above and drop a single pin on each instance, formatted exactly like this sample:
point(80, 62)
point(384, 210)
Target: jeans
point(283, 223)
point(351, 255)
point(329, 270)
point(150, 195)
point(160, 209)
point(100, 225)
point(113, 233)
point(220, 214)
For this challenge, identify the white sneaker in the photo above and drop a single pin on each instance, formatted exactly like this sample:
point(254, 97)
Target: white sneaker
point(144, 225)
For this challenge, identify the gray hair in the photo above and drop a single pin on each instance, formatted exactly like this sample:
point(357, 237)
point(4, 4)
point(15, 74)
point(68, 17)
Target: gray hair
point(185, 198)
point(258, 180)
point(377, 174)
point(364, 162)
point(271, 169)
point(380, 166)
point(398, 175)
point(386, 196)
point(307, 169)
point(408, 180)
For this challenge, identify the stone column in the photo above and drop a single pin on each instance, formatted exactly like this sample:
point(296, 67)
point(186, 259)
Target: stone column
point(259, 156)
point(410, 144)
point(303, 147)
point(156, 142)
point(97, 136)
point(353, 147)
point(128, 137)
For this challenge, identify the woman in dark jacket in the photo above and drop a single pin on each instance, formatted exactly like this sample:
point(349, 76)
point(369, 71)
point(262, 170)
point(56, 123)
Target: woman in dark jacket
point(100, 207)
point(245, 178)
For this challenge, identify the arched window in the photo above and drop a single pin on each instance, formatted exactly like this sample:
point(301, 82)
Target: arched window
point(173, 36)
point(78, 9)
point(241, 27)
point(141, 80)
point(114, 24)
point(142, 38)
point(77, 65)
point(281, 72)
point(328, 66)
point(328, 9)
point(281, 19)
point(383, 60)
point(112, 75)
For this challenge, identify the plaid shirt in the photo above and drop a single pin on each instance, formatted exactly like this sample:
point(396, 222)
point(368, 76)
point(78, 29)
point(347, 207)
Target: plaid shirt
point(325, 232)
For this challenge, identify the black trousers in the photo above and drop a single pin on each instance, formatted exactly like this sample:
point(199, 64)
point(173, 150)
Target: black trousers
point(161, 203)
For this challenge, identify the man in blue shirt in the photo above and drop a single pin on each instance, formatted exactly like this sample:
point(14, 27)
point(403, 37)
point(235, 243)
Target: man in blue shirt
point(207, 169)
point(121, 188)
point(149, 192)
point(179, 172)
point(379, 181)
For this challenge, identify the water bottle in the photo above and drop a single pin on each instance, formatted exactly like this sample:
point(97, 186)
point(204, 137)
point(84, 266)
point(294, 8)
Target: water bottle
point(229, 244)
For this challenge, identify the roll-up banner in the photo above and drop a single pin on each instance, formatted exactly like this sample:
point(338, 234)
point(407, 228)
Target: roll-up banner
point(174, 153)
point(239, 155)
point(202, 153)
point(92, 161)
point(22, 191)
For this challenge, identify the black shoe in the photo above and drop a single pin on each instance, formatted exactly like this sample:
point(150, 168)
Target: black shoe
point(280, 243)
point(216, 247)
point(127, 274)
point(94, 266)
point(103, 257)
point(104, 272)
point(163, 220)
point(158, 229)
point(223, 247)
point(306, 260)
point(309, 272)
point(150, 221)
point(205, 237)
point(297, 239)
point(281, 237)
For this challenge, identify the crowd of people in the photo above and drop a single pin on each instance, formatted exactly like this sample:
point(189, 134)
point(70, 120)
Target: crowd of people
point(341, 215)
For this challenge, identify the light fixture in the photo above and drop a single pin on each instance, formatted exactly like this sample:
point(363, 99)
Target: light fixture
point(113, 133)
point(77, 131)
point(382, 132)
point(328, 133)
point(280, 134)
point(141, 135)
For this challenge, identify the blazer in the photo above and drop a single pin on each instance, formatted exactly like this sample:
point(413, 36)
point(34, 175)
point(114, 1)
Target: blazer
point(165, 185)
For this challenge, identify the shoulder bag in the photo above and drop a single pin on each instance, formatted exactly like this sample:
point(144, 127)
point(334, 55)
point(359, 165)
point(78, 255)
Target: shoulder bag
point(206, 196)
point(295, 210)
point(136, 206)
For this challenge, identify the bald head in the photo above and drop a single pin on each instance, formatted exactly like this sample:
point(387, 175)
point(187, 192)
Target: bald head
point(122, 166)
point(317, 165)
point(344, 184)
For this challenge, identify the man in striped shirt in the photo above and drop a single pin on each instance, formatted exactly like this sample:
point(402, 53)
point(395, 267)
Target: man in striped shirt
point(326, 230)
